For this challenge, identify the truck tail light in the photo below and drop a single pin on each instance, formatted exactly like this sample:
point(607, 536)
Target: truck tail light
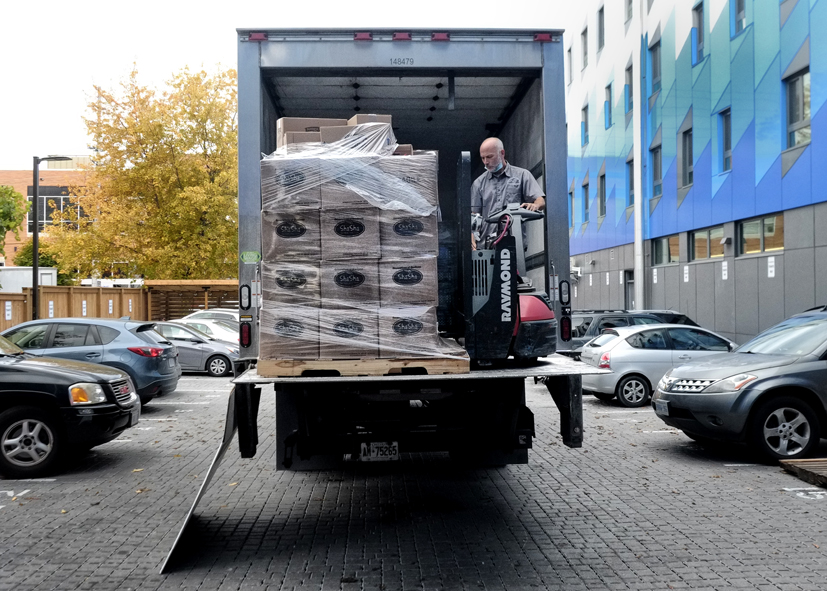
point(605, 361)
point(147, 351)
point(245, 335)
point(565, 328)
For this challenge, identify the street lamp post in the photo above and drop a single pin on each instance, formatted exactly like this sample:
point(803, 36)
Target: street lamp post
point(36, 231)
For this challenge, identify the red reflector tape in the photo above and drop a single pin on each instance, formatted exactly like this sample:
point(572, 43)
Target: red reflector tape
point(363, 36)
point(402, 37)
point(543, 37)
point(257, 37)
point(440, 37)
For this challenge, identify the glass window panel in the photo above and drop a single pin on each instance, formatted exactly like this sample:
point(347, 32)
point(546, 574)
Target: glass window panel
point(751, 237)
point(774, 233)
point(700, 248)
point(716, 249)
point(70, 335)
point(673, 249)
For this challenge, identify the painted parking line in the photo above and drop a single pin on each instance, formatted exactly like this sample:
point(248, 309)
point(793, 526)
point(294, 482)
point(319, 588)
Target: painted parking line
point(159, 420)
point(154, 403)
point(743, 465)
point(809, 493)
point(663, 431)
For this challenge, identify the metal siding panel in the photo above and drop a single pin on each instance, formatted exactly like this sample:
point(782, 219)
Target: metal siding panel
point(821, 275)
point(799, 280)
point(704, 303)
point(724, 303)
point(770, 293)
point(799, 228)
point(820, 224)
point(689, 291)
point(745, 275)
point(674, 274)
point(658, 298)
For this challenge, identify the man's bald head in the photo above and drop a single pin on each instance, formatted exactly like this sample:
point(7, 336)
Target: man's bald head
point(492, 153)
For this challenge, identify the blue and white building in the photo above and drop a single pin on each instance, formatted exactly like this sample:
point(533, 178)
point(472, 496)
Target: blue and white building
point(697, 133)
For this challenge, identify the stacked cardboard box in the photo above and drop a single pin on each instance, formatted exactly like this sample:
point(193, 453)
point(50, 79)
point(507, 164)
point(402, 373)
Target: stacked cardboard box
point(349, 255)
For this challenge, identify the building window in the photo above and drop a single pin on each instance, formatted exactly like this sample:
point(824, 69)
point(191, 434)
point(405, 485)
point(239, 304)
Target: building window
point(706, 244)
point(665, 250)
point(51, 199)
point(657, 175)
point(798, 109)
point(601, 28)
point(570, 65)
point(607, 107)
point(629, 88)
point(630, 184)
point(761, 235)
point(584, 126)
point(740, 15)
point(726, 140)
point(685, 173)
point(571, 208)
point(601, 195)
point(585, 203)
point(584, 41)
point(629, 5)
point(698, 32)
point(654, 54)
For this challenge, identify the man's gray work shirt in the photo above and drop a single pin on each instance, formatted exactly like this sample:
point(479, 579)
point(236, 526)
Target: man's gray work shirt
point(492, 191)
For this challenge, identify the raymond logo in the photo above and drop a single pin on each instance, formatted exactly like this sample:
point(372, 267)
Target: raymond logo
point(290, 178)
point(290, 229)
point(290, 280)
point(288, 328)
point(407, 326)
point(348, 279)
point(408, 227)
point(407, 277)
point(349, 228)
point(348, 329)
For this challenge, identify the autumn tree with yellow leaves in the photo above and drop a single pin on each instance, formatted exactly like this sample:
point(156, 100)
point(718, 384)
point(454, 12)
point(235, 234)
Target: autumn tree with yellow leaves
point(161, 197)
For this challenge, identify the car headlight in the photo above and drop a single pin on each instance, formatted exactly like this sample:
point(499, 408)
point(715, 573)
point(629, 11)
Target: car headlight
point(85, 393)
point(666, 381)
point(731, 384)
point(233, 350)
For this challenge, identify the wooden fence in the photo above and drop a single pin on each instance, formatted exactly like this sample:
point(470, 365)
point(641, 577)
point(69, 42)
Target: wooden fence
point(157, 300)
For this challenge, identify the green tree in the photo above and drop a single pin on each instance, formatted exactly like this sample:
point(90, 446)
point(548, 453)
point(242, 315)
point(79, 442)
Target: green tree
point(160, 199)
point(13, 208)
point(45, 258)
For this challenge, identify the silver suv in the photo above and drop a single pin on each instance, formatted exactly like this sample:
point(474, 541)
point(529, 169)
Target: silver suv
point(587, 324)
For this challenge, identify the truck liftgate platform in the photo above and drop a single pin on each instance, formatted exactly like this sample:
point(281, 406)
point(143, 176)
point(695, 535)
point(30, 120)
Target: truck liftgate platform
point(561, 376)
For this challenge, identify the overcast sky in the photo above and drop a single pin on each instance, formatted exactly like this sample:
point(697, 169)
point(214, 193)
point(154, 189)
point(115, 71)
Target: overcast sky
point(53, 52)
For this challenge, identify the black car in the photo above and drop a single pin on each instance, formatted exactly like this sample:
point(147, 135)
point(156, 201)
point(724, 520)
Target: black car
point(587, 324)
point(50, 408)
point(671, 317)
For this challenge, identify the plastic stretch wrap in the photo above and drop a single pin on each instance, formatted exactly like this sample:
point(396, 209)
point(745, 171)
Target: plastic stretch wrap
point(349, 245)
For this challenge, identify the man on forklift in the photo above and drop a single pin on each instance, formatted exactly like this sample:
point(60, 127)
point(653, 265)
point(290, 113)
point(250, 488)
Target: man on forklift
point(502, 183)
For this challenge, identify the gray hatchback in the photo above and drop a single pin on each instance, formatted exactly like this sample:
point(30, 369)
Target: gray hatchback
point(198, 351)
point(771, 392)
point(131, 346)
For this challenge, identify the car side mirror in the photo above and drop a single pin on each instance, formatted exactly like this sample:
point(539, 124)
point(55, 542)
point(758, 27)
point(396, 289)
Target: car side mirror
point(197, 341)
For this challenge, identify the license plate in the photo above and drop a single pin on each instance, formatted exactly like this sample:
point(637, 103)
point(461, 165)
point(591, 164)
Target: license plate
point(171, 362)
point(662, 407)
point(135, 415)
point(379, 452)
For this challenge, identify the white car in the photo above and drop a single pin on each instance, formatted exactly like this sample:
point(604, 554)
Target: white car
point(638, 356)
point(217, 329)
point(215, 314)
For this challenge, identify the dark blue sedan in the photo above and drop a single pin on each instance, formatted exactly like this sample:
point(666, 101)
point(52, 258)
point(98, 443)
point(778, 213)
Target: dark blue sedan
point(131, 346)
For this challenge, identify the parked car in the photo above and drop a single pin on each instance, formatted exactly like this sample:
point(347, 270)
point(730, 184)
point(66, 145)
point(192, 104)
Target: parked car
point(215, 314)
point(214, 328)
point(671, 317)
point(771, 393)
point(638, 356)
point(587, 324)
point(198, 351)
point(50, 408)
point(131, 346)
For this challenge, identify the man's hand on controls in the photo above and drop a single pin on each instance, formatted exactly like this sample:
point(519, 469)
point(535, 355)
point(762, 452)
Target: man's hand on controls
point(539, 204)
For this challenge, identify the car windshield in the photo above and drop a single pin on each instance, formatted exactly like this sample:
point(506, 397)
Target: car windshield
point(9, 348)
point(800, 335)
point(228, 324)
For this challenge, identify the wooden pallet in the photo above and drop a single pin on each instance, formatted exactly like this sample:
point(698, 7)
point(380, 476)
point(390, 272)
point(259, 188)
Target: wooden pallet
point(813, 471)
point(277, 368)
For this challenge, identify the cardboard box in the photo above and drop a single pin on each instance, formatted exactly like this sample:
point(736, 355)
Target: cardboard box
point(408, 331)
point(289, 332)
point(340, 175)
point(290, 182)
point(404, 235)
point(403, 150)
point(329, 135)
point(286, 124)
point(369, 118)
point(291, 235)
point(408, 282)
point(418, 171)
point(348, 334)
point(302, 137)
point(352, 283)
point(350, 233)
point(291, 284)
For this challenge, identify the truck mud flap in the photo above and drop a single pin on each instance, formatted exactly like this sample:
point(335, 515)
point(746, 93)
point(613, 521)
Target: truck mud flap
point(231, 425)
point(567, 393)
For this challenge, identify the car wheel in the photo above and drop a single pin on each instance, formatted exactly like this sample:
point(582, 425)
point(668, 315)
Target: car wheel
point(633, 391)
point(785, 428)
point(603, 396)
point(218, 366)
point(30, 442)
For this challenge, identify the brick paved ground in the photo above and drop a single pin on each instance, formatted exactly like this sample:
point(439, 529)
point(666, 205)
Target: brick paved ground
point(638, 507)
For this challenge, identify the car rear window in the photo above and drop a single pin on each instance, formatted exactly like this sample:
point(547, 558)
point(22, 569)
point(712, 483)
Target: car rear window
point(147, 333)
point(604, 339)
point(645, 320)
point(108, 334)
point(580, 325)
